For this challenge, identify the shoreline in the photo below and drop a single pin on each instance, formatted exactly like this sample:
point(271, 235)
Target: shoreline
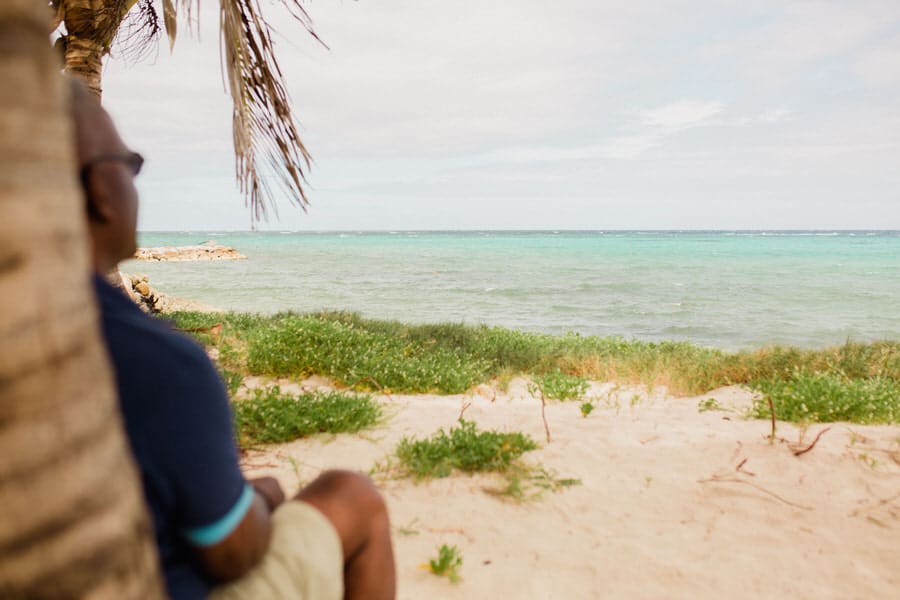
point(703, 288)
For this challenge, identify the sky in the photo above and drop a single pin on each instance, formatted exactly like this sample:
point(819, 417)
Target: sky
point(518, 114)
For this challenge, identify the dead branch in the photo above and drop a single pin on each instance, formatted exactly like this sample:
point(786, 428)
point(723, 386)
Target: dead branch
point(811, 446)
point(715, 479)
point(879, 504)
point(772, 410)
point(378, 385)
point(544, 416)
point(462, 411)
point(740, 469)
point(213, 330)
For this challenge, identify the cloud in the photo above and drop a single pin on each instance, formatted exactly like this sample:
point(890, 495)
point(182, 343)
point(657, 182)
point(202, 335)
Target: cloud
point(678, 116)
point(777, 114)
point(630, 147)
point(880, 66)
point(427, 100)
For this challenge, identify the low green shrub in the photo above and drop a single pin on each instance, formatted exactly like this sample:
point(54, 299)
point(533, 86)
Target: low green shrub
point(270, 416)
point(559, 386)
point(300, 346)
point(452, 357)
point(232, 380)
point(447, 563)
point(827, 397)
point(464, 448)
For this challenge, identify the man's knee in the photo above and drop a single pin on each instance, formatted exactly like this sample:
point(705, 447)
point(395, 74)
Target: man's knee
point(357, 489)
point(347, 490)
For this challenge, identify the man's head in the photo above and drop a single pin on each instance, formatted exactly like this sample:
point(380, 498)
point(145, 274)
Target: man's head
point(107, 169)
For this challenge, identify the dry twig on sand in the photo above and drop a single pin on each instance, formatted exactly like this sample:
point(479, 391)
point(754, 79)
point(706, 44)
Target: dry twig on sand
point(213, 330)
point(879, 504)
point(544, 416)
point(801, 451)
point(729, 478)
point(740, 469)
point(378, 385)
point(732, 479)
point(772, 410)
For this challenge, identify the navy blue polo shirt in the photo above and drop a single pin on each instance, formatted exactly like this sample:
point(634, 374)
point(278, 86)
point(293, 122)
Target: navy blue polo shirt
point(178, 422)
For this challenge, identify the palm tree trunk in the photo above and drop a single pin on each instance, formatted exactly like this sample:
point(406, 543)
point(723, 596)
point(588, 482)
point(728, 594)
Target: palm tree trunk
point(91, 27)
point(84, 59)
point(72, 520)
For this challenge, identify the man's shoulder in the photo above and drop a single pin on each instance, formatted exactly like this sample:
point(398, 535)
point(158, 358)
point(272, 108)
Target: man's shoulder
point(138, 338)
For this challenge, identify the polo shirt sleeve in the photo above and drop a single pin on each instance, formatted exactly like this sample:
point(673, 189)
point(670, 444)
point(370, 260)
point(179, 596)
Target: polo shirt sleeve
point(198, 453)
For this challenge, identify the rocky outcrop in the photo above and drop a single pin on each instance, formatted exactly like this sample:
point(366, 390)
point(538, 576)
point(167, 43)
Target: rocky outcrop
point(206, 251)
point(138, 289)
point(153, 301)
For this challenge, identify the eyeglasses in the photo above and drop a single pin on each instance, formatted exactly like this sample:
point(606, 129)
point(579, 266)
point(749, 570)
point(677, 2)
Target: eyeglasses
point(131, 159)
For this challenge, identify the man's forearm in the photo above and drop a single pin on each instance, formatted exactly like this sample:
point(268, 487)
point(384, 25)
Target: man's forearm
point(270, 490)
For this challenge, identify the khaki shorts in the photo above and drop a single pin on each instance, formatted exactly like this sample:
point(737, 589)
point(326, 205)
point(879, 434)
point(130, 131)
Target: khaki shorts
point(304, 560)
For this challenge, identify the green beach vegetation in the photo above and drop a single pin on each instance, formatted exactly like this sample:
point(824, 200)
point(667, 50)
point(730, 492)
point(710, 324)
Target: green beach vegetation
point(858, 382)
point(446, 563)
point(269, 415)
point(828, 397)
point(462, 448)
point(466, 449)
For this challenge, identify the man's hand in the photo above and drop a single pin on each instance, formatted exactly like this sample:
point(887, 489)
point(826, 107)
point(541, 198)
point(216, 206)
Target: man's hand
point(270, 490)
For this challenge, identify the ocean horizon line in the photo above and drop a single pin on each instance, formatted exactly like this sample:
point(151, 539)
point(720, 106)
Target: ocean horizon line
point(514, 231)
point(723, 288)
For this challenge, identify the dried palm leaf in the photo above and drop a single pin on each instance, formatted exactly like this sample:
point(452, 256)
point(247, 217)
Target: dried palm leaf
point(138, 33)
point(169, 15)
point(263, 123)
point(267, 146)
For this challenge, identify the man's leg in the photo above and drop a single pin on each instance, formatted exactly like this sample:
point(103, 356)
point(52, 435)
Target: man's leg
point(358, 513)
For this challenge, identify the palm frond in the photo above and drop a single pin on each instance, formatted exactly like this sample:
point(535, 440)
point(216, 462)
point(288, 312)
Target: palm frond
point(265, 135)
point(170, 14)
point(138, 33)
point(96, 20)
point(127, 28)
point(269, 155)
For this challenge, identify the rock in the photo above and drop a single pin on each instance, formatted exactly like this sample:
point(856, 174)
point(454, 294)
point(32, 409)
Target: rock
point(208, 250)
point(123, 282)
point(139, 290)
point(151, 300)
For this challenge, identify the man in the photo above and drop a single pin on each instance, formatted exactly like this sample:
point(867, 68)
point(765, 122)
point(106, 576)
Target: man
point(217, 534)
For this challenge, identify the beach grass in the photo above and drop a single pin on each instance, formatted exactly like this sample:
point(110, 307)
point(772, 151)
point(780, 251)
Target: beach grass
point(447, 563)
point(828, 397)
point(390, 356)
point(269, 415)
point(557, 385)
point(463, 448)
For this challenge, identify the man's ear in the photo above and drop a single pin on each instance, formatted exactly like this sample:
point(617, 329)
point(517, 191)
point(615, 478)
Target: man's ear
point(94, 215)
point(99, 209)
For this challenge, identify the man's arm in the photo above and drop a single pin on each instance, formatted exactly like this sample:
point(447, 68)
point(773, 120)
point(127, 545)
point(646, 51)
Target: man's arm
point(270, 490)
point(245, 546)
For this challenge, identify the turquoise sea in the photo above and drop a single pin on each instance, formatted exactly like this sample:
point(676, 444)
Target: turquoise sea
point(727, 289)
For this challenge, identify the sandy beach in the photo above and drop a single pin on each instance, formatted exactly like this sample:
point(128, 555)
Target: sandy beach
point(673, 502)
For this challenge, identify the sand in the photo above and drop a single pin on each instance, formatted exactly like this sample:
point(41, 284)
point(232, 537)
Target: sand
point(673, 502)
